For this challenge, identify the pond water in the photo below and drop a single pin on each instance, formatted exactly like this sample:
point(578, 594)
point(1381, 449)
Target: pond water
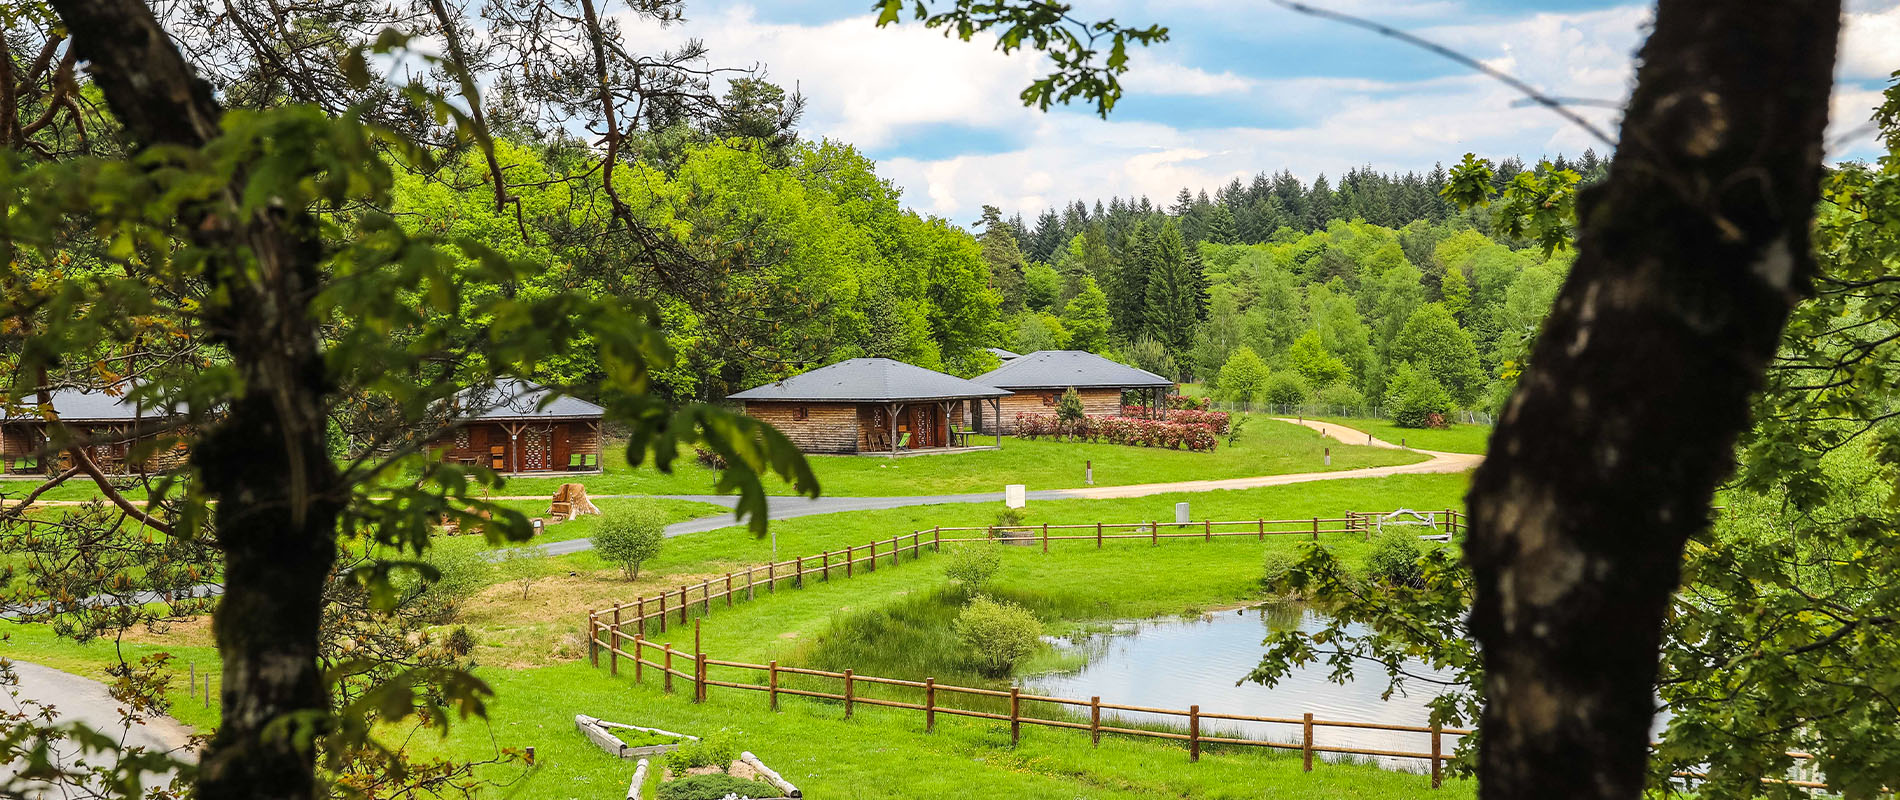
point(1175, 663)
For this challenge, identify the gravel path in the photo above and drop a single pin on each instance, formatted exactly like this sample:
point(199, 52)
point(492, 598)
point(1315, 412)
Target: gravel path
point(83, 700)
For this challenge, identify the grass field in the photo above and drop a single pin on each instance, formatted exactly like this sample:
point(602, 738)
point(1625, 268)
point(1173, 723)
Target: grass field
point(1455, 439)
point(530, 652)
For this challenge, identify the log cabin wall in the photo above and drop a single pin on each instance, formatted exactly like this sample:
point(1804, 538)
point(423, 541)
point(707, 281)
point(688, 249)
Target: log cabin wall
point(545, 446)
point(818, 427)
point(1095, 403)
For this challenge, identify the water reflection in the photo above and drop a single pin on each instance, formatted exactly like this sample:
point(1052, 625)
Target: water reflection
point(1175, 663)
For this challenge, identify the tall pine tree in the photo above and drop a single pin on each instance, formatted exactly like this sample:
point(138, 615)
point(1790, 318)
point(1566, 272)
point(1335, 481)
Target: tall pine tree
point(1172, 302)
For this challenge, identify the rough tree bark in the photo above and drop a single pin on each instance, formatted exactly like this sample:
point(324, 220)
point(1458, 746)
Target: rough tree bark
point(1690, 256)
point(264, 462)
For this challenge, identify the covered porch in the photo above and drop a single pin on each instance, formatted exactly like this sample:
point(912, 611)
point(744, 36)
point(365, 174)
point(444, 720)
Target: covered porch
point(923, 427)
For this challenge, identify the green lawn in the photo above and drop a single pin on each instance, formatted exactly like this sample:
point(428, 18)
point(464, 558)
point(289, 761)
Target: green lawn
point(1455, 439)
point(529, 651)
point(1265, 447)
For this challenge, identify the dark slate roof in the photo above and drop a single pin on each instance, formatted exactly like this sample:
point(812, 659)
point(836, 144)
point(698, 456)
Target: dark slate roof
point(1003, 354)
point(75, 405)
point(869, 380)
point(512, 399)
point(1061, 369)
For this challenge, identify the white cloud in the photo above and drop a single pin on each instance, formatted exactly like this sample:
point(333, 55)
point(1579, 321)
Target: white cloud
point(871, 86)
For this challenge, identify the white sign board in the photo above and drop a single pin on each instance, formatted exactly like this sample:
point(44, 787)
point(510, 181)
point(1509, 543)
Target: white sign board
point(1015, 495)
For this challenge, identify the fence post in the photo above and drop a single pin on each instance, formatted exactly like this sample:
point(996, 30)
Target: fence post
point(728, 590)
point(896, 551)
point(771, 670)
point(1045, 537)
point(848, 558)
point(1209, 530)
point(642, 614)
point(700, 690)
point(593, 651)
point(639, 645)
point(827, 565)
point(1437, 776)
point(617, 613)
point(613, 650)
point(847, 694)
point(749, 574)
point(930, 705)
point(1154, 534)
point(662, 612)
point(705, 598)
point(1306, 742)
point(871, 563)
point(1015, 715)
point(1449, 521)
point(936, 539)
point(1316, 529)
point(771, 577)
point(668, 668)
point(1095, 720)
point(1098, 535)
point(799, 582)
point(683, 605)
point(1263, 529)
point(1194, 733)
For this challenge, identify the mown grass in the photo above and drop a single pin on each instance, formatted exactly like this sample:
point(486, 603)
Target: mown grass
point(530, 652)
point(1455, 439)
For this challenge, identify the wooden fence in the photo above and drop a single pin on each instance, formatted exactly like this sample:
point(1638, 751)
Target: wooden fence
point(655, 613)
point(937, 698)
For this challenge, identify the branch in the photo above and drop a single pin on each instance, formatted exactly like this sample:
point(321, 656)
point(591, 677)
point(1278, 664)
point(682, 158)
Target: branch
point(131, 509)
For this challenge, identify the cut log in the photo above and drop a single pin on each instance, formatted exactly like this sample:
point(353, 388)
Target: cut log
point(770, 777)
point(574, 497)
point(639, 780)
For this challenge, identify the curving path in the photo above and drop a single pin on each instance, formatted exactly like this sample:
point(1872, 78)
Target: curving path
point(783, 507)
point(81, 700)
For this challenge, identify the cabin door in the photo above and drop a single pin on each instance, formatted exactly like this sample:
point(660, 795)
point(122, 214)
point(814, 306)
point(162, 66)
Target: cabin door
point(924, 425)
point(536, 444)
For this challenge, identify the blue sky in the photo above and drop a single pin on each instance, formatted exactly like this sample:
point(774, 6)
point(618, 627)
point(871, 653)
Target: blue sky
point(1240, 87)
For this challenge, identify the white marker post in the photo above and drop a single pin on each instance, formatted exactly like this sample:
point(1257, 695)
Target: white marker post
point(1181, 513)
point(1015, 496)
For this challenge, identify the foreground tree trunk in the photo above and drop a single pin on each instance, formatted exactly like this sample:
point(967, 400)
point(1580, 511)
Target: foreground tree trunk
point(265, 461)
point(1690, 256)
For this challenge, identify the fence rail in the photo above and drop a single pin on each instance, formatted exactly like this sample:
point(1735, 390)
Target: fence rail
point(619, 644)
point(656, 612)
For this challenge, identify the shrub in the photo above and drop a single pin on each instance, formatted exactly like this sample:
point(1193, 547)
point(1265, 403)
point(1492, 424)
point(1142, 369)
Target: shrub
point(1185, 403)
point(1394, 559)
point(713, 751)
point(1244, 377)
point(1122, 430)
point(460, 642)
point(998, 634)
point(1414, 398)
point(1279, 564)
point(973, 565)
point(708, 458)
point(520, 566)
point(461, 574)
point(1285, 388)
point(715, 787)
point(1341, 395)
point(630, 535)
point(1218, 420)
point(1069, 409)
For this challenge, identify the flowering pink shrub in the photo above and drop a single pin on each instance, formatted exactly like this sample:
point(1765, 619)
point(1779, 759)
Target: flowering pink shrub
point(1170, 433)
point(1213, 419)
point(1189, 403)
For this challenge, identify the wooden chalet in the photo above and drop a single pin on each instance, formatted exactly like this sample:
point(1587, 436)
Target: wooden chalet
point(1037, 380)
point(516, 427)
point(113, 427)
point(872, 406)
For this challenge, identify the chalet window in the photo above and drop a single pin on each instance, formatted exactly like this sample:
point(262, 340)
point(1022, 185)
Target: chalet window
point(461, 438)
point(1049, 398)
point(801, 413)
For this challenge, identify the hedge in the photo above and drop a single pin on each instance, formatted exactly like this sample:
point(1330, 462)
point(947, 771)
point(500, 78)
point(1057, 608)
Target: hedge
point(1169, 433)
point(1217, 420)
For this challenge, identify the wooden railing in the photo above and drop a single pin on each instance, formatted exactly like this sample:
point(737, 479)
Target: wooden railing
point(634, 647)
point(655, 613)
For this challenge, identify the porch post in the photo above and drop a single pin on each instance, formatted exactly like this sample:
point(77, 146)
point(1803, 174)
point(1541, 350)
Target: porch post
point(895, 407)
point(600, 448)
point(996, 409)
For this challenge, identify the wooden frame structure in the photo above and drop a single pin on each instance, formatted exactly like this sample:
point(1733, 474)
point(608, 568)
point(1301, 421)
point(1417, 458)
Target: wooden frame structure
point(519, 428)
point(873, 406)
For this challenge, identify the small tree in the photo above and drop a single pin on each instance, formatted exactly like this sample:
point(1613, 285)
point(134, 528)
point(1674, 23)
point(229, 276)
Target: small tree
point(1415, 399)
point(973, 565)
point(521, 566)
point(1286, 388)
point(630, 536)
point(1244, 377)
point(1069, 411)
point(999, 634)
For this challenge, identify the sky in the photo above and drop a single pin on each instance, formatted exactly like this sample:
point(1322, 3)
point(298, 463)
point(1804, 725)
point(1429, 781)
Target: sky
point(1240, 87)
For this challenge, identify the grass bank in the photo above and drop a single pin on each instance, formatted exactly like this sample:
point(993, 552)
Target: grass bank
point(1454, 439)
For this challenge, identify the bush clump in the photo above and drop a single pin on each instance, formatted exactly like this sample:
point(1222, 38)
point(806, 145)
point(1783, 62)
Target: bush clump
point(460, 574)
point(1415, 399)
point(713, 751)
point(1340, 395)
point(1286, 388)
point(1279, 564)
point(998, 634)
point(715, 787)
point(1394, 560)
point(629, 536)
point(973, 565)
point(1167, 433)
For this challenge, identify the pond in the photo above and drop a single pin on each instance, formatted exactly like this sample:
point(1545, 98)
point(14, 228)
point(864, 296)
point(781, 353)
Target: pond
point(1175, 663)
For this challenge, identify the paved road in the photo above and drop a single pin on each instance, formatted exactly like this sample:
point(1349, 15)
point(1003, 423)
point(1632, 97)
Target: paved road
point(781, 507)
point(77, 699)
